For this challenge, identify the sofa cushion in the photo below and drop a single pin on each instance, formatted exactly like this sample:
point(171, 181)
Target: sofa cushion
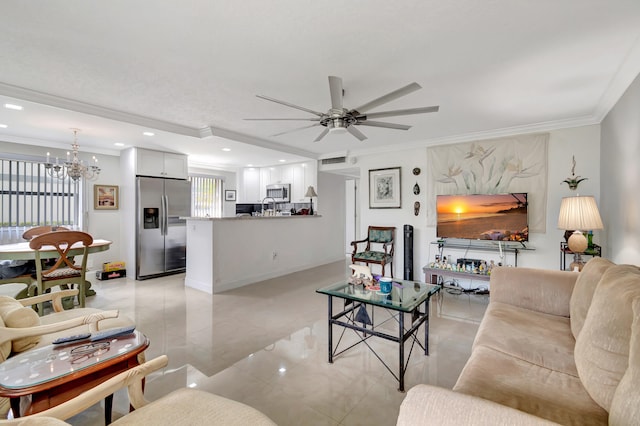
point(511, 381)
point(583, 291)
point(194, 407)
point(15, 315)
point(538, 338)
point(602, 347)
point(625, 405)
point(5, 347)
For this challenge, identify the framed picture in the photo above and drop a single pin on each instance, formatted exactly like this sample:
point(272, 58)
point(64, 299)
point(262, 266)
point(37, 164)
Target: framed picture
point(229, 195)
point(105, 197)
point(384, 188)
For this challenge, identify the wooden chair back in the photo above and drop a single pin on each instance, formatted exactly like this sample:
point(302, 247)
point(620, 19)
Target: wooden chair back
point(64, 271)
point(39, 230)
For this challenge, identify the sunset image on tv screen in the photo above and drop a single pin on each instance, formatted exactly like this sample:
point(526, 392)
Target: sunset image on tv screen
point(500, 217)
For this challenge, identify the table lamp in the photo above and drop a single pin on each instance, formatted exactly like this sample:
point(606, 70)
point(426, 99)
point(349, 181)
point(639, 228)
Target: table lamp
point(579, 214)
point(311, 193)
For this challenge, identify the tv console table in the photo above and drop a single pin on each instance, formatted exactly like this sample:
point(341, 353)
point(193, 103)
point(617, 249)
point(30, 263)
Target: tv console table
point(502, 247)
point(431, 275)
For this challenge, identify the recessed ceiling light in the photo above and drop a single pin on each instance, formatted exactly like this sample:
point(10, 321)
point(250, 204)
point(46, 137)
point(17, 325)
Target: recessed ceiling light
point(3, 126)
point(118, 144)
point(249, 165)
point(148, 133)
point(282, 160)
point(226, 149)
point(13, 106)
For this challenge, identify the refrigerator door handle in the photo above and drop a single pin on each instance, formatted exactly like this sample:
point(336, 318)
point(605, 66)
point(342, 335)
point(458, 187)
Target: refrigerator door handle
point(163, 216)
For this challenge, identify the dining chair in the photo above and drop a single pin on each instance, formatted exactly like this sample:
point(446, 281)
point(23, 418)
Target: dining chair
point(39, 230)
point(64, 270)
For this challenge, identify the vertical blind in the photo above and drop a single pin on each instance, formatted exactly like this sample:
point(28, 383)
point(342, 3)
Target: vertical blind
point(206, 196)
point(30, 197)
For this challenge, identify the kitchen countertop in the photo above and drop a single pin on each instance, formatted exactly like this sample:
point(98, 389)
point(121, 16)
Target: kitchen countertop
point(252, 217)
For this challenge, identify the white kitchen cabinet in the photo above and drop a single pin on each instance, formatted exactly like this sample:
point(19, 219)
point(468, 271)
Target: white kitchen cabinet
point(250, 186)
point(161, 164)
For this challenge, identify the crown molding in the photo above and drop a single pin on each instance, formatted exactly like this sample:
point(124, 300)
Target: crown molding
point(95, 110)
point(627, 72)
point(264, 143)
point(483, 135)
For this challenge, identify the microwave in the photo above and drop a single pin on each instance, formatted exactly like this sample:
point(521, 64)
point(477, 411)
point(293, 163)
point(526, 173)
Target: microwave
point(280, 192)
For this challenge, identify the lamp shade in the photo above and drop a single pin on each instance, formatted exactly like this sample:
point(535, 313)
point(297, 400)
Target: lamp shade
point(311, 192)
point(579, 213)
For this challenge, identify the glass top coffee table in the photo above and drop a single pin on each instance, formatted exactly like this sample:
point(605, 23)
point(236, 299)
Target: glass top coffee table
point(357, 313)
point(54, 374)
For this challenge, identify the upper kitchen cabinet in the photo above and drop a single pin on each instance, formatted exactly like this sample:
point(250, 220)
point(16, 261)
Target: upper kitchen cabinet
point(249, 186)
point(253, 181)
point(161, 164)
point(304, 175)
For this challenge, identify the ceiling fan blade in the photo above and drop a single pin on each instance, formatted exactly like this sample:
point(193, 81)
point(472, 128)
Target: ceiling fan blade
point(388, 97)
point(402, 112)
point(296, 129)
point(357, 133)
point(335, 87)
point(322, 135)
point(319, 114)
point(282, 119)
point(385, 125)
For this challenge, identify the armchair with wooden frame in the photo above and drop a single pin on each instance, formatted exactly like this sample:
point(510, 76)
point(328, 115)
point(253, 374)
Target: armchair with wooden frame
point(22, 330)
point(379, 249)
point(64, 271)
point(184, 406)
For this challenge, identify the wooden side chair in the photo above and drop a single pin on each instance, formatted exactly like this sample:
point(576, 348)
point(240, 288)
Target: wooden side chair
point(379, 247)
point(39, 230)
point(64, 270)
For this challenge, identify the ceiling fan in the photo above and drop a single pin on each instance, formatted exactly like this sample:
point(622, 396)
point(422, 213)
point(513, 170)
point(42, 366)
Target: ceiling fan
point(338, 118)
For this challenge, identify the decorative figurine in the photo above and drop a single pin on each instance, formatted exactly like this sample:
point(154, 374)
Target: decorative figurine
point(573, 180)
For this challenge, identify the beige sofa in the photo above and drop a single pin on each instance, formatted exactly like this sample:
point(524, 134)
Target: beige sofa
point(553, 348)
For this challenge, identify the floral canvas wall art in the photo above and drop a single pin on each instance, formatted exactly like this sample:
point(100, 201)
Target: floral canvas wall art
point(496, 166)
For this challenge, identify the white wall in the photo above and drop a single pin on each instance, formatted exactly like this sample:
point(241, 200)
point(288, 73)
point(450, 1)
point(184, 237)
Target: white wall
point(620, 157)
point(583, 142)
point(103, 224)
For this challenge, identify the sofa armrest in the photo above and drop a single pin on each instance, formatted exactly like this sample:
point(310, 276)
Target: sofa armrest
point(542, 290)
point(8, 333)
point(430, 405)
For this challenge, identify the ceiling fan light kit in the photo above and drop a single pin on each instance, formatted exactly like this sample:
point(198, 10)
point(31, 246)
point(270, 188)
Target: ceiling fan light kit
point(340, 120)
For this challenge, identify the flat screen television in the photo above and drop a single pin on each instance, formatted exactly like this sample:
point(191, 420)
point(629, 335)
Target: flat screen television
point(498, 217)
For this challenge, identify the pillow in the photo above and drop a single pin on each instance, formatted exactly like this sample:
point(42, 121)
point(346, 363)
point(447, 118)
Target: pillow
point(625, 406)
point(5, 347)
point(602, 347)
point(583, 291)
point(14, 315)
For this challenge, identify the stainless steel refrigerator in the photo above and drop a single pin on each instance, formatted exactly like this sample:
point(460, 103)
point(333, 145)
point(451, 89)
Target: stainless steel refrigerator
point(161, 240)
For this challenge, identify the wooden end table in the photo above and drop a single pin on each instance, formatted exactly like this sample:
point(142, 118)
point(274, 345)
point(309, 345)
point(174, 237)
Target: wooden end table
point(54, 374)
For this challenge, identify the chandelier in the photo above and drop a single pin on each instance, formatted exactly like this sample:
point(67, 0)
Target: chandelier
point(73, 167)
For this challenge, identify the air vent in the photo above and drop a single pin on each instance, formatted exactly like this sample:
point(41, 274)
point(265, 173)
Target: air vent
point(334, 160)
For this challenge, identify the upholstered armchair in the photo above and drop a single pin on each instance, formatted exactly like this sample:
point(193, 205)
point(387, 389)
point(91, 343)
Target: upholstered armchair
point(21, 329)
point(184, 406)
point(379, 247)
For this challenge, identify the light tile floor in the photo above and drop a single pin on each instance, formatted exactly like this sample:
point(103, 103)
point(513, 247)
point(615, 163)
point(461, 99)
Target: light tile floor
point(266, 345)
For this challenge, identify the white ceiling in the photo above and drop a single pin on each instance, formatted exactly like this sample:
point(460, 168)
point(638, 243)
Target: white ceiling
point(189, 71)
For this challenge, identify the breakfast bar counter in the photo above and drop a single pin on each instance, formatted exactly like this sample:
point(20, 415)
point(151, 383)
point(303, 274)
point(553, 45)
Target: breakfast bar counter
point(226, 253)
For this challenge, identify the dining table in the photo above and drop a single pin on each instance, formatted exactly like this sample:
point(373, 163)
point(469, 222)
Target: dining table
point(22, 251)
